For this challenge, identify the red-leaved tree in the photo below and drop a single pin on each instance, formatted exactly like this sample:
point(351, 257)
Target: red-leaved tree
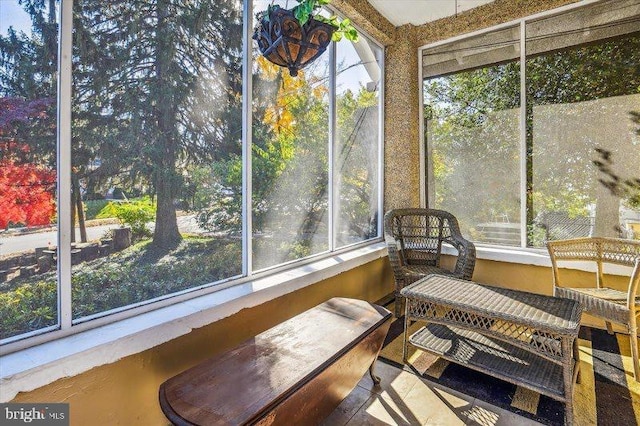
point(26, 194)
point(27, 189)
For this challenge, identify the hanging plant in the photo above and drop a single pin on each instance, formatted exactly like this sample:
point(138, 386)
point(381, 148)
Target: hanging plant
point(293, 38)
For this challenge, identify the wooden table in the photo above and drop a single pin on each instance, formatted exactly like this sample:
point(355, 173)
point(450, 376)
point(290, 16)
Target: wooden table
point(524, 338)
point(297, 372)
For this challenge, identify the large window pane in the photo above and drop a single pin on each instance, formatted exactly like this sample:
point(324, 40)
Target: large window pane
point(472, 135)
point(358, 81)
point(157, 136)
point(28, 72)
point(583, 100)
point(289, 160)
point(581, 134)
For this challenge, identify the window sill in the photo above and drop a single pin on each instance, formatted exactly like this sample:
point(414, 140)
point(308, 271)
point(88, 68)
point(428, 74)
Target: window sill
point(536, 257)
point(34, 367)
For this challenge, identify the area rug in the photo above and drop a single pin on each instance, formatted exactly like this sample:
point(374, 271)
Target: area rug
point(607, 394)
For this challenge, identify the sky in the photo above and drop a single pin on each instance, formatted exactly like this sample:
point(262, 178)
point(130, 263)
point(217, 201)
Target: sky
point(12, 14)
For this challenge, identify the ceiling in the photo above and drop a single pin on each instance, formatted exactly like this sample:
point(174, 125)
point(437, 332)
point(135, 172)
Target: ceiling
point(418, 12)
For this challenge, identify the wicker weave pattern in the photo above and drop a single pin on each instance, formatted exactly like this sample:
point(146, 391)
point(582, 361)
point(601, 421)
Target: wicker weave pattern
point(414, 240)
point(524, 338)
point(613, 305)
point(531, 321)
point(608, 250)
point(477, 351)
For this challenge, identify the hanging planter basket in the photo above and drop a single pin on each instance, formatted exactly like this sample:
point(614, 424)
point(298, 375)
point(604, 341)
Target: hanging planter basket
point(284, 42)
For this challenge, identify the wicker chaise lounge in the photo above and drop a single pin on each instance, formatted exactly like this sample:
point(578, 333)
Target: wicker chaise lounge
point(610, 304)
point(414, 240)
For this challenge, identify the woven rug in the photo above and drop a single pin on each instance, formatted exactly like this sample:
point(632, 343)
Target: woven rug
point(607, 394)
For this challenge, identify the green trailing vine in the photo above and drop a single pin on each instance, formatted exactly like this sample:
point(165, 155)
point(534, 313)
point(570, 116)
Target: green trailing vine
point(309, 9)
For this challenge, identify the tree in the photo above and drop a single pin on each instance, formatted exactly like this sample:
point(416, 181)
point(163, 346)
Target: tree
point(27, 192)
point(28, 70)
point(27, 189)
point(158, 88)
point(575, 97)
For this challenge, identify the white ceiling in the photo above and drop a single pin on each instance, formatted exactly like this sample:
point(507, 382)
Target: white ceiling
point(418, 12)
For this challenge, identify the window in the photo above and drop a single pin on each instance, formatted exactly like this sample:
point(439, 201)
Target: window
point(472, 127)
point(157, 168)
point(356, 149)
point(156, 116)
point(290, 161)
point(571, 169)
point(28, 163)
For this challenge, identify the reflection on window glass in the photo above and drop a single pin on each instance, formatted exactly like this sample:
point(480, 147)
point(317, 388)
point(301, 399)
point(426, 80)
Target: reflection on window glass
point(157, 136)
point(356, 147)
point(472, 128)
point(290, 162)
point(156, 156)
point(28, 73)
point(585, 98)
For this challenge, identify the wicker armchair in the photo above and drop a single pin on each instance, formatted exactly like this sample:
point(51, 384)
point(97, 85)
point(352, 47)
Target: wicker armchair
point(414, 240)
point(610, 304)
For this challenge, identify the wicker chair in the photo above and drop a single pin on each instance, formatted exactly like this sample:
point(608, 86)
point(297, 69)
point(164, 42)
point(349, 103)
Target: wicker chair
point(607, 303)
point(414, 240)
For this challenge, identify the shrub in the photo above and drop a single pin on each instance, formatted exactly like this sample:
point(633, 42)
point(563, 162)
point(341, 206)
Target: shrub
point(135, 214)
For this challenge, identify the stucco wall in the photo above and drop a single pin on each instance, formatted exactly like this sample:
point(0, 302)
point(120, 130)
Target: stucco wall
point(126, 392)
point(402, 115)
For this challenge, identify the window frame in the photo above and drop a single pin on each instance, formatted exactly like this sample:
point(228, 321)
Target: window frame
point(66, 325)
point(424, 148)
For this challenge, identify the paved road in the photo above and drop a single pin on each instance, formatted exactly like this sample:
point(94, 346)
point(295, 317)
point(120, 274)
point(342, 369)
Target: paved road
point(20, 242)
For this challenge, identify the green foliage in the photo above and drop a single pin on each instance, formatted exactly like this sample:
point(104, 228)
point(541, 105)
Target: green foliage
point(135, 214)
point(344, 28)
point(28, 307)
point(134, 275)
point(93, 209)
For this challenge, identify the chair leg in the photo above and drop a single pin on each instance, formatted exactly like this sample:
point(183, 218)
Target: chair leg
point(399, 305)
point(633, 336)
point(609, 327)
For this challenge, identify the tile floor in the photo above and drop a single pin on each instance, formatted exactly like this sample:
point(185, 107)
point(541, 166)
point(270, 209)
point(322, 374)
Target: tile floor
point(405, 399)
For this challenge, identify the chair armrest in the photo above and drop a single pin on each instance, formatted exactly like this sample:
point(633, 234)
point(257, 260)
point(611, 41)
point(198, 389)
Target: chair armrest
point(634, 283)
point(395, 259)
point(551, 248)
point(466, 261)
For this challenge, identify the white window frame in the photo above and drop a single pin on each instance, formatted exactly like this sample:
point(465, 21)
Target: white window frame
point(66, 325)
point(492, 249)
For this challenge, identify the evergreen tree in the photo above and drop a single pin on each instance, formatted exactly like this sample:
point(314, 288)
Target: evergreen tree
point(157, 87)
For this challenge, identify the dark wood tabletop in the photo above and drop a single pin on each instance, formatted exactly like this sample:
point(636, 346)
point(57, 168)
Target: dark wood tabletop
point(242, 385)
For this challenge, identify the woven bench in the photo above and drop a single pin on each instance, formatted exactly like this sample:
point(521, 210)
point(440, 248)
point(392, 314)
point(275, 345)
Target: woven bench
point(297, 372)
point(524, 338)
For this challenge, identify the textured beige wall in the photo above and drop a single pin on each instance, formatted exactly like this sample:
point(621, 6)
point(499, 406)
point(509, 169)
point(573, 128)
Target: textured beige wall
point(401, 130)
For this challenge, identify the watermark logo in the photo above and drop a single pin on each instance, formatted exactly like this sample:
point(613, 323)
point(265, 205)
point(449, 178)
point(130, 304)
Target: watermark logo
point(12, 414)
